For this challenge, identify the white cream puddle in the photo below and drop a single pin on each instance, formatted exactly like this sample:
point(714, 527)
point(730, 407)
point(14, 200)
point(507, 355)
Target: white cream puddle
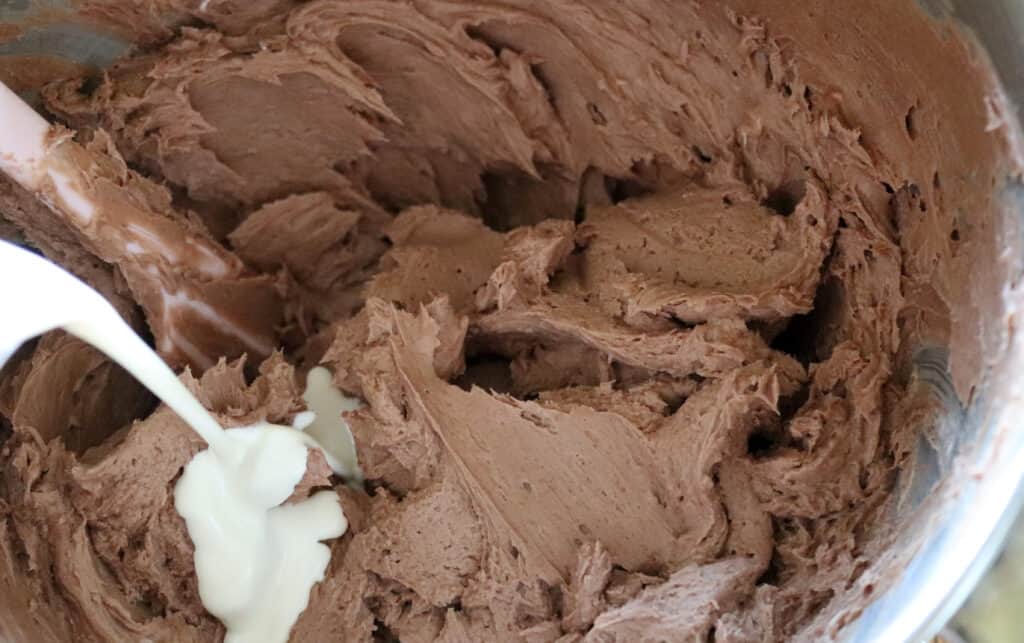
point(324, 422)
point(257, 559)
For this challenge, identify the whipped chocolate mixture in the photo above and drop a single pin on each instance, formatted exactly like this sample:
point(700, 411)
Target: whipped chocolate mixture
point(631, 291)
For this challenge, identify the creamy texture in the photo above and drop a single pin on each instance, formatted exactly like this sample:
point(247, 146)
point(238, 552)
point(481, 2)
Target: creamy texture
point(630, 291)
point(256, 557)
point(326, 424)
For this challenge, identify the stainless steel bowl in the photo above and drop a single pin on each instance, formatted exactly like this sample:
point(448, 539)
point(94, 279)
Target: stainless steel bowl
point(980, 469)
point(969, 483)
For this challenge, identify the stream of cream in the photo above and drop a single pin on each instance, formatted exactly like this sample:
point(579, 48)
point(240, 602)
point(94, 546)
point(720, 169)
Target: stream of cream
point(256, 558)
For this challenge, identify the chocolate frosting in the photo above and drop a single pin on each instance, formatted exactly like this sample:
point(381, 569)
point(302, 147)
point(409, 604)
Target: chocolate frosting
point(631, 292)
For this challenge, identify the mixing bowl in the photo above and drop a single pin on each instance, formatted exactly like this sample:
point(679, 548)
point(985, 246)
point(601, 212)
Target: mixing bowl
point(961, 497)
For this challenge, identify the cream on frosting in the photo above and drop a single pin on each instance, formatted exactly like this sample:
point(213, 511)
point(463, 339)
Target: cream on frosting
point(256, 560)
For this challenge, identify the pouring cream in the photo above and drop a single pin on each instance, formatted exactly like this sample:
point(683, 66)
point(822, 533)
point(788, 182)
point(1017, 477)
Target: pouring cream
point(255, 558)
